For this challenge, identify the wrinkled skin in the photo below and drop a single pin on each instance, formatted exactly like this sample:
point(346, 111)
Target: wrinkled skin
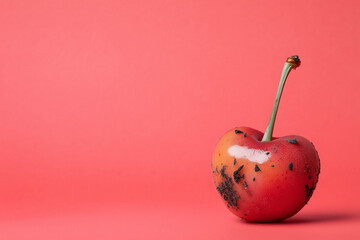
point(283, 184)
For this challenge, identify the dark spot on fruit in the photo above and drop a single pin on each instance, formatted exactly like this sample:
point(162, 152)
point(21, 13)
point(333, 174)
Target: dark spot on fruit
point(267, 153)
point(293, 141)
point(245, 185)
point(257, 169)
point(309, 177)
point(317, 176)
point(238, 131)
point(243, 176)
point(309, 191)
point(234, 161)
point(222, 172)
point(272, 165)
point(237, 174)
point(253, 179)
point(245, 134)
point(225, 188)
point(291, 166)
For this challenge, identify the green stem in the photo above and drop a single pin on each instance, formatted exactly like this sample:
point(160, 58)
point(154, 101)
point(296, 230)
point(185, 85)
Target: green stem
point(291, 63)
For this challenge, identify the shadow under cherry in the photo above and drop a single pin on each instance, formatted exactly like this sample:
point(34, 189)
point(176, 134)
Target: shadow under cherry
point(325, 217)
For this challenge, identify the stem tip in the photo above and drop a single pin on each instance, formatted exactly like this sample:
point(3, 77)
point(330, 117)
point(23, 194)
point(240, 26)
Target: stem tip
point(294, 61)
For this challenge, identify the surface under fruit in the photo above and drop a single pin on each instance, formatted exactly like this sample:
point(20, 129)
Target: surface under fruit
point(264, 181)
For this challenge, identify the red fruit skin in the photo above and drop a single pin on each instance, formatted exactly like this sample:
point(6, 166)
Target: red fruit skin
point(277, 192)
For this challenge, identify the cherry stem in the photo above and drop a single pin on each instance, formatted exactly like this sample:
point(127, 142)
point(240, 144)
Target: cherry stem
point(291, 63)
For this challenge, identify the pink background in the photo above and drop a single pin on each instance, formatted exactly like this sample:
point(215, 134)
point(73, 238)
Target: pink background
point(110, 112)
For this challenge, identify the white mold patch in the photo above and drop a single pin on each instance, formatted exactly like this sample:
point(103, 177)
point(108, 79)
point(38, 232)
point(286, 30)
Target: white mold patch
point(253, 155)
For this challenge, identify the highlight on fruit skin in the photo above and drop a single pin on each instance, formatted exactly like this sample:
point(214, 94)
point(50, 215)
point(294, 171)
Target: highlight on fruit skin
point(261, 178)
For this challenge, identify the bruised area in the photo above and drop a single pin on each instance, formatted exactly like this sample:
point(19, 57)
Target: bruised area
point(225, 188)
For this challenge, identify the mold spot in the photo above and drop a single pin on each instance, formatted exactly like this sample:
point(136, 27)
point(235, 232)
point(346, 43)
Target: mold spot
point(237, 174)
point(222, 172)
point(293, 141)
point(225, 188)
point(291, 166)
point(308, 192)
point(257, 169)
point(238, 131)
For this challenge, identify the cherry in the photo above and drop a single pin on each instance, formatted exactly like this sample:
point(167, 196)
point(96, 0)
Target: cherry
point(262, 178)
